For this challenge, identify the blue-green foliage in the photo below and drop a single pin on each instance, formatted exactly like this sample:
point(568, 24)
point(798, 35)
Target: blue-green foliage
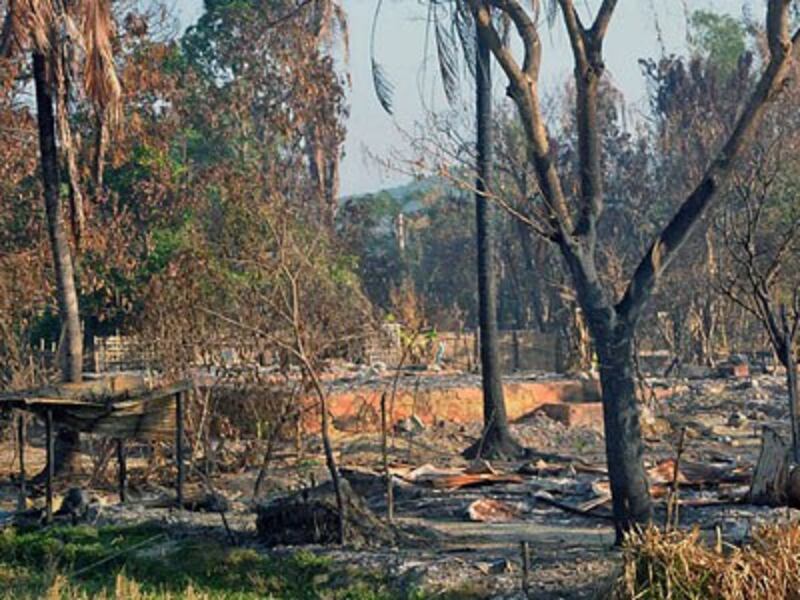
point(719, 39)
point(438, 253)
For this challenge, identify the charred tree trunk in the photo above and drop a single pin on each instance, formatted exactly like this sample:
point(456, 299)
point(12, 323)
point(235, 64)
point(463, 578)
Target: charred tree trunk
point(67, 442)
point(624, 447)
point(612, 334)
point(496, 441)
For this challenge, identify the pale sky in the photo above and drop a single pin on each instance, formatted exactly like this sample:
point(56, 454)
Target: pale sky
point(401, 49)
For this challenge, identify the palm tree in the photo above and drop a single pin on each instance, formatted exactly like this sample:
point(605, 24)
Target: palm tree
point(496, 440)
point(52, 31)
point(451, 29)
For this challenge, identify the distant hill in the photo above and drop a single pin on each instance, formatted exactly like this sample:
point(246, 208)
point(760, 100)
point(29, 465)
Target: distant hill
point(407, 197)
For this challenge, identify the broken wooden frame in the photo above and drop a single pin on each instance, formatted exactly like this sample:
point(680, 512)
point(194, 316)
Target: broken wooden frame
point(121, 407)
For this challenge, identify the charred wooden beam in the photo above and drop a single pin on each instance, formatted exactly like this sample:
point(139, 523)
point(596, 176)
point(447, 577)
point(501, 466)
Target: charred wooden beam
point(123, 469)
point(179, 447)
point(21, 453)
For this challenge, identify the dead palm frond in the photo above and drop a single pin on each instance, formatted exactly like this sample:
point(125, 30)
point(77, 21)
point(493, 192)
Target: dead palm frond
point(384, 89)
point(447, 53)
point(101, 84)
point(27, 23)
point(455, 39)
point(71, 35)
point(464, 28)
point(76, 40)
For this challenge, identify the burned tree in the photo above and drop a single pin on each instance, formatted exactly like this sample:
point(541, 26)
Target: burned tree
point(571, 222)
point(496, 440)
point(38, 28)
point(68, 441)
point(760, 229)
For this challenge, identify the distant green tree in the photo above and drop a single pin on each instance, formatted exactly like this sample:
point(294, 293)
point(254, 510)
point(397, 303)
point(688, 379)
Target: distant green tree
point(721, 40)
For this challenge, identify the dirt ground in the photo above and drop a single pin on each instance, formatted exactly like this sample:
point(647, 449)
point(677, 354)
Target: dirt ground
point(556, 500)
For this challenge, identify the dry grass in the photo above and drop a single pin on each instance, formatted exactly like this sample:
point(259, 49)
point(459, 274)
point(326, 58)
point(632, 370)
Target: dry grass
point(683, 566)
point(124, 589)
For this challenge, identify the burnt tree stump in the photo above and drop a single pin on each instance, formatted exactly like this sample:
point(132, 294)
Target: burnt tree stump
point(310, 516)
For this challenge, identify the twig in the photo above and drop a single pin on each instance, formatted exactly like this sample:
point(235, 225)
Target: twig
point(398, 371)
point(116, 555)
point(672, 501)
point(385, 452)
point(573, 510)
point(286, 412)
point(207, 481)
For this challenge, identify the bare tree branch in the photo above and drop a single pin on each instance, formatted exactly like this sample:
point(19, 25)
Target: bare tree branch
point(665, 247)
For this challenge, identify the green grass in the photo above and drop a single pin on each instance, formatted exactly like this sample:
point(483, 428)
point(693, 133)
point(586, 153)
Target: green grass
point(142, 562)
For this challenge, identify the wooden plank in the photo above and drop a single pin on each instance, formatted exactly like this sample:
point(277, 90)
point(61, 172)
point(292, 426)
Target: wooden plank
point(50, 466)
point(113, 389)
point(146, 420)
point(146, 416)
point(32, 402)
point(86, 390)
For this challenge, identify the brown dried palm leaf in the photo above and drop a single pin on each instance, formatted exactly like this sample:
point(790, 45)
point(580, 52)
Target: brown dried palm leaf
point(27, 23)
point(100, 80)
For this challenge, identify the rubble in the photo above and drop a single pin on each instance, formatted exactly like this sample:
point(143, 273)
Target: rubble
point(737, 419)
point(583, 414)
point(472, 516)
point(487, 510)
point(412, 425)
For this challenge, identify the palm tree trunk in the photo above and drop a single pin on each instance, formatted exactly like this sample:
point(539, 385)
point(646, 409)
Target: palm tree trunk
point(496, 441)
point(67, 442)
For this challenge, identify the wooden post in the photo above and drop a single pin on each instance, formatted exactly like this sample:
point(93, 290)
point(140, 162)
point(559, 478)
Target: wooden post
point(476, 346)
point(179, 447)
point(49, 439)
point(515, 349)
point(123, 469)
point(21, 444)
point(98, 363)
point(385, 452)
point(526, 568)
